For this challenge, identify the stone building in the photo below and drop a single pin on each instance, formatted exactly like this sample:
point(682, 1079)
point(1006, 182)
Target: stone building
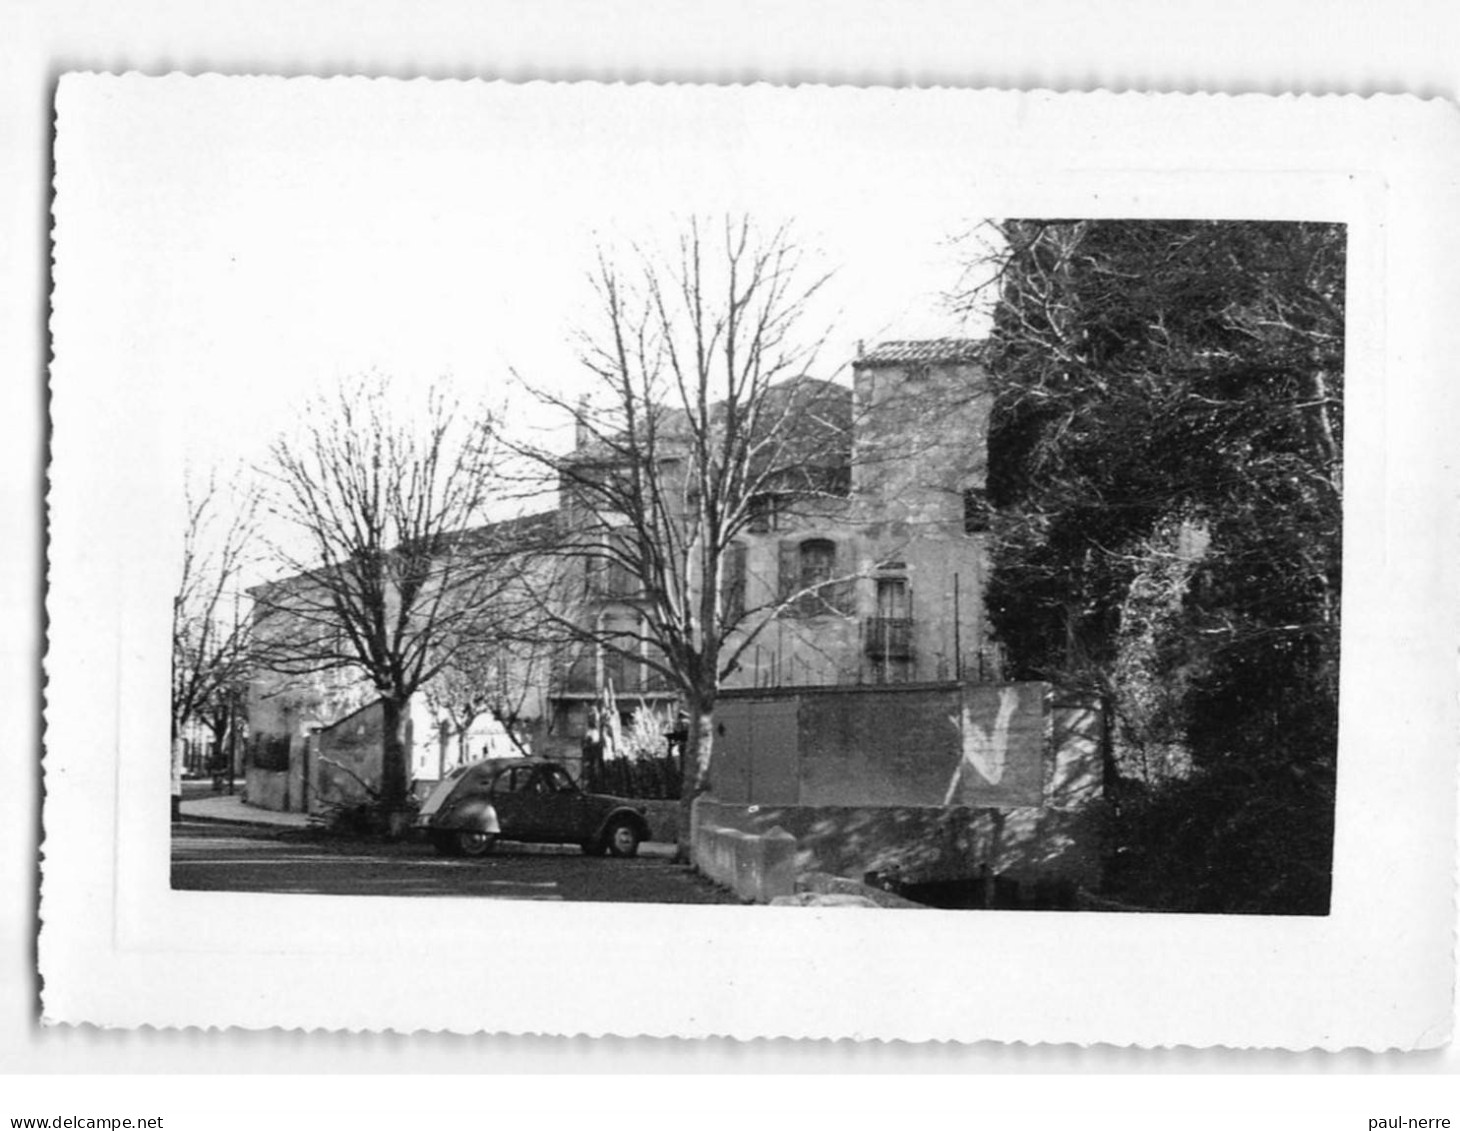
point(908, 539)
point(898, 532)
point(891, 548)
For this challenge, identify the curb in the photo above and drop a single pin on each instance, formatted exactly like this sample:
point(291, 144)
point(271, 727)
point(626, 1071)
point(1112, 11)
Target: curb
point(253, 822)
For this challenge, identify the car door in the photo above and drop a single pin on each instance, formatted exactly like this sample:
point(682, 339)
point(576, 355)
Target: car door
point(556, 807)
point(509, 796)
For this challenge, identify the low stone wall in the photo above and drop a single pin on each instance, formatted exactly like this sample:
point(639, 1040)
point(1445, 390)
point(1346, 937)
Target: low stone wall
point(757, 867)
point(920, 845)
point(267, 789)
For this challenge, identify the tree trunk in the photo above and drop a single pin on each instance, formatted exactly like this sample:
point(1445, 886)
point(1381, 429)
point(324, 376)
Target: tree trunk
point(177, 775)
point(394, 758)
point(695, 764)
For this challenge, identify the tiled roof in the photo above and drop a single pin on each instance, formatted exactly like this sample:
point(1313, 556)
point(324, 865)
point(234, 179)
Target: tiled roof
point(926, 350)
point(523, 532)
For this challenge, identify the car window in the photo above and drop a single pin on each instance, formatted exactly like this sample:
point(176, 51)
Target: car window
point(557, 780)
point(511, 780)
point(478, 777)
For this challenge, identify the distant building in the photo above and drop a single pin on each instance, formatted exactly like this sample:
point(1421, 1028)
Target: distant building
point(295, 707)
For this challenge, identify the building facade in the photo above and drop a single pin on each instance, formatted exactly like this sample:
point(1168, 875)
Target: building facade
point(878, 582)
point(303, 687)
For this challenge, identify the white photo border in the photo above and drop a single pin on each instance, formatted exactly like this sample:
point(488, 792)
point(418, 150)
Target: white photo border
point(119, 948)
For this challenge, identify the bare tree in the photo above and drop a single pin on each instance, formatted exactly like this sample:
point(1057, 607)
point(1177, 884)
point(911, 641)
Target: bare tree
point(496, 680)
point(401, 565)
point(210, 640)
point(703, 413)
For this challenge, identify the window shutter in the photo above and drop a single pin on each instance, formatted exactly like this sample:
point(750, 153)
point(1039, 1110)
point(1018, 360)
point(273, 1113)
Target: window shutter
point(788, 575)
point(843, 595)
point(732, 583)
point(593, 574)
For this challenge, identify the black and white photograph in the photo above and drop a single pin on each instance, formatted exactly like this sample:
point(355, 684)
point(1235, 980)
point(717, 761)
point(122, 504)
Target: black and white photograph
point(799, 517)
point(1043, 614)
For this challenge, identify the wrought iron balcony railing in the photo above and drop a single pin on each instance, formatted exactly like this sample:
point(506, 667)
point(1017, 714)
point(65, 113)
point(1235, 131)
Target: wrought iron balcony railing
point(888, 638)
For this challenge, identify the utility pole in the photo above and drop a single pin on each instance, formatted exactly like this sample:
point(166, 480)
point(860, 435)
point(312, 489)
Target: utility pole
point(957, 635)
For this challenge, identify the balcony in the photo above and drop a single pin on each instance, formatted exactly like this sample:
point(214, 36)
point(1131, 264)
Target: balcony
point(888, 638)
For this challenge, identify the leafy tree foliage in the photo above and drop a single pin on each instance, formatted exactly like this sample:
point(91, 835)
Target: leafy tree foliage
point(1165, 460)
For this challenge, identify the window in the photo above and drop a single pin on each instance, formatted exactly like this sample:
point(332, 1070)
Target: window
point(765, 513)
point(621, 581)
point(609, 572)
point(818, 560)
point(808, 570)
point(732, 584)
point(617, 670)
point(270, 752)
point(892, 598)
point(557, 780)
point(514, 779)
point(888, 634)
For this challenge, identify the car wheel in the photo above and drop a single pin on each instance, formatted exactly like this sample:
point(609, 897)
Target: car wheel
point(445, 844)
point(469, 842)
point(622, 838)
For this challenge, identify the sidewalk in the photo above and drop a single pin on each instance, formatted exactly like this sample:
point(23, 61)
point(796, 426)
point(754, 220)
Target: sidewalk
point(223, 807)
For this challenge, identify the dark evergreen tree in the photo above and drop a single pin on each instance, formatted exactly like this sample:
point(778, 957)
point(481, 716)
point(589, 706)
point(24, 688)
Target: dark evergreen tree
point(1165, 463)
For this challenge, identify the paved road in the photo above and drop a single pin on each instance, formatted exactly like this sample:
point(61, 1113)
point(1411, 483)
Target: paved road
point(217, 856)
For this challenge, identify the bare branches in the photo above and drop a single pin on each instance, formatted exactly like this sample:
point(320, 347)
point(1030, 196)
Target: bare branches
point(701, 359)
point(394, 518)
point(401, 567)
point(496, 679)
point(210, 639)
point(703, 409)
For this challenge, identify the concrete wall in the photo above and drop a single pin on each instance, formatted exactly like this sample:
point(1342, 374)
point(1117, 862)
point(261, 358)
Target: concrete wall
point(344, 757)
point(949, 744)
point(758, 865)
point(303, 707)
point(921, 784)
point(267, 789)
point(920, 844)
point(1076, 772)
point(280, 790)
point(296, 705)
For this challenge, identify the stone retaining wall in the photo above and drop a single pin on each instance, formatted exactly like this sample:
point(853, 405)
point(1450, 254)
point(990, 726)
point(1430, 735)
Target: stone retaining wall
point(757, 867)
point(920, 845)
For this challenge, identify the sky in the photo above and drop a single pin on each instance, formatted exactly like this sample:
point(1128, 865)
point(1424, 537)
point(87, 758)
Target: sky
point(263, 238)
point(241, 245)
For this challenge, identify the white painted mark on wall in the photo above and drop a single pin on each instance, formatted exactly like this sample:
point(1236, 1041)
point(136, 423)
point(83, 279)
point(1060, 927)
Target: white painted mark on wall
point(987, 751)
